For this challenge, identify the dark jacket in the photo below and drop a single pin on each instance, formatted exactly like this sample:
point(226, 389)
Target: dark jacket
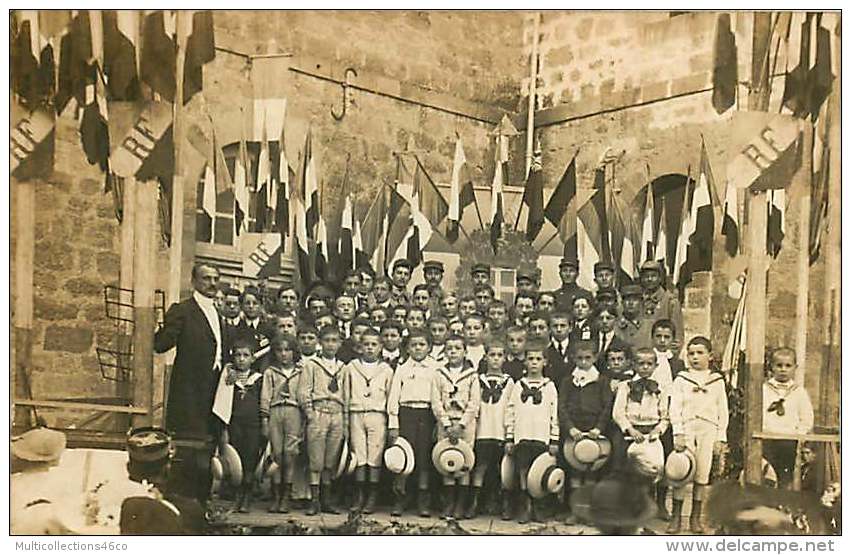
point(586, 407)
point(193, 381)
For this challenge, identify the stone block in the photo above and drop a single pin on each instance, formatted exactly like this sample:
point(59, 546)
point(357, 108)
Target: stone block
point(82, 286)
point(68, 339)
point(50, 309)
point(90, 187)
point(54, 255)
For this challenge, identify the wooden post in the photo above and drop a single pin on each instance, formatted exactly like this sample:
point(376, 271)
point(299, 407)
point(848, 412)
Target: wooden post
point(533, 87)
point(804, 174)
point(24, 218)
point(755, 314)
point(125, 279)
point(144, 272)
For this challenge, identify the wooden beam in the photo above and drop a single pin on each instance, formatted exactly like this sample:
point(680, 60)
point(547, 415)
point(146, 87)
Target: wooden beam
point(755, 314)
point(822, 438)
point(803, 177)
point(24, 218)
point(125, 278)
point(758, 94)
point(74, 405)
point(144, 271)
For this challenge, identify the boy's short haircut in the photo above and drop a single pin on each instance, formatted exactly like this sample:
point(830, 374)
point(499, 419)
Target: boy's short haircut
point(360, 321)
point(498, 302)
point(421, 287)
point(341, 297)
point(417, 309)
point(289, 340)
point(437, 320)
point(549, 294)
point(467, 299)
point(371, 332)
point(788, 351)
point(663, 323)
point(328, 331)
point(496, 342)
point(249, 290)
point(613, 310)
point(700, 340)
point(456, 337)
point(391, 326)
point(540, 315)
point(535, 346)
point(307, 327)
point(621, 348)
point(585, 345)
point(382, 279)
point(232, 291)
point(398, 306)
point(583, 295)
point(475, 316)
point(242, 342)
point(515, 329)
point(484, 287)
point(560, 314)
point(353, 273)
point(419, 333)
point(366, 270)
point(645, 351)
point(526, 295)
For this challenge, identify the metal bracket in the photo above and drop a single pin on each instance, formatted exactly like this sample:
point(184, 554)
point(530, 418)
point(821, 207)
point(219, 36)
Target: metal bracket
point(345, 84)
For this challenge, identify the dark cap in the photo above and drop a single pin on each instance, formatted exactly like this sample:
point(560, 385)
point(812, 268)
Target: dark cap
point(631, 290)
point(433, 264)
point(604, 266)
point(607, 294)
point(148, 444)
point(481, 267)
point(569, 261)
point(650, 265)
point(528, 274)
point(403, 262)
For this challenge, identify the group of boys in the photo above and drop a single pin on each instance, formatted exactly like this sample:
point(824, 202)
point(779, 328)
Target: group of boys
point(498, 401)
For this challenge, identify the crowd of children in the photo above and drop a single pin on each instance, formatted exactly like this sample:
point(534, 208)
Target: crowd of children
point(508, 409)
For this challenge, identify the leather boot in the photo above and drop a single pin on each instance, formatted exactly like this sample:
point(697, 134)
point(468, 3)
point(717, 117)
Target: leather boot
point(284, 498)
point(676, 517)
point(369, 506)
point(506, 505)
point(276, 499)
point(245, 500)
point(357, 502)
point(448, 501)
point(461, 502)
point(423, 502)
point(314, 507)
point(398, 504)
point(661, 509)
point(535, 512)
point(473, 508)
point(326, 500)
point(526, 510)
point(695, 523)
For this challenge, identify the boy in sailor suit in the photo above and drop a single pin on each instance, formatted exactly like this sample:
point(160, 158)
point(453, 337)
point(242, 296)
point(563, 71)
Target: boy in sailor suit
point(496, 388)
point(787, 410)
point(321, 399)
point(699, 418)
point(409, 413)
point(531, 421)
point(366, 384)
point(280, 414)
point(455, 398)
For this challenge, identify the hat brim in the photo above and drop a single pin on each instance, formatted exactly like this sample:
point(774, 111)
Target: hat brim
point(535, 478)
point(231, 463)
point(344, 455)
point(568, 450)
point(462, 446)
point(21, 448)
point(675, 483)
point(408, 451)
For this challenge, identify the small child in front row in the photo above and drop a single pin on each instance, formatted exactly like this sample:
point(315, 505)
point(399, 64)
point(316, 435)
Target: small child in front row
point(531, 421)
point(699, 418)
point(786, 410)
point(409, 414)
point(321, 399)
point(244, 429)
point(496, 388)
point(584, 404)
point(280, 414)
point(641, 409)
point(455, 398)
point(366, 384)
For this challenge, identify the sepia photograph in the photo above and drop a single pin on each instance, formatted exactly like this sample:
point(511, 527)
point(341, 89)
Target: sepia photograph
point(425, 272)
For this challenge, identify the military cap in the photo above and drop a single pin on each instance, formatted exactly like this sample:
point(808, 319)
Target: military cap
point(481, 267)
point(528, 274)
point(148, 444)
point(650, 265)
point(604, 266)
point(631, 290)
point(403, 262)
point(433, 264)
point(569, 261)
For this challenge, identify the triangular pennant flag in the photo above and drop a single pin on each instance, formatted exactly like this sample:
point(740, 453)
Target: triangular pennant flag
point(648, 239)
point(121, 37)
point(461, 192)
point(94, 125)
point(346, 248)
point(533, 198)
point(776, 221)
point(310, 185)
point(730, 225)
point(725, 66)
point(200, 49)
point(241, 186)
point(158, 57)
point(661, 252)
point(497, 216)
point(301, 243)
point(561, 198)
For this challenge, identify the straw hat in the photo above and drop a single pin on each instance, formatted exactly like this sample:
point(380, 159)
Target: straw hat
point(507, 473)
point(680, 468)
point(399, 457)
point(450, 459)
point(39, 445)
point(347, 462)
point(587, 454)
point(545, 477)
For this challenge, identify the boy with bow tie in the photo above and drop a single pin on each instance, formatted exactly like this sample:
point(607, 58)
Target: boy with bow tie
point(787, 410)
point(321, 399)
point(668, 365)
point(409, 413)
point(641, 409)
point(455, 398)
point(496, 388)
point(531, 421)
point(366, 384)
point(699, 417)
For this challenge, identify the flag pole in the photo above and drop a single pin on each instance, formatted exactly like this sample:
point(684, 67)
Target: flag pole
point(802, 308)
point(478, 212)
point(177, 276)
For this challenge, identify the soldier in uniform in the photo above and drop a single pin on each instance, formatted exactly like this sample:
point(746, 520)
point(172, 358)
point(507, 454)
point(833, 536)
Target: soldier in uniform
point(658, 303)
point(433, 275)
point(632, 327)
point(527, 281)
point(568, 271)
point(481, 274)
point(400, 277)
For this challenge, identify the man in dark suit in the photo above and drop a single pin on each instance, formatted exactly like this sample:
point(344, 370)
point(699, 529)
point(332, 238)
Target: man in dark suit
point(197, 331)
